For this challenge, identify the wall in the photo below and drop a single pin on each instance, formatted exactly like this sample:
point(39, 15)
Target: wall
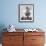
point(9, 14)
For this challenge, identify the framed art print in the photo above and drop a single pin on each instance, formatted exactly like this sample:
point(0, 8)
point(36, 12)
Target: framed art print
point(26, 12)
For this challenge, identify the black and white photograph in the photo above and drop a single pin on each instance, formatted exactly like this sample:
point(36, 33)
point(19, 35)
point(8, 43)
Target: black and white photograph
point(26, 12)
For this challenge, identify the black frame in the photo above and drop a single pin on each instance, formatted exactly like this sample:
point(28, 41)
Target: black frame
point(19, 12)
